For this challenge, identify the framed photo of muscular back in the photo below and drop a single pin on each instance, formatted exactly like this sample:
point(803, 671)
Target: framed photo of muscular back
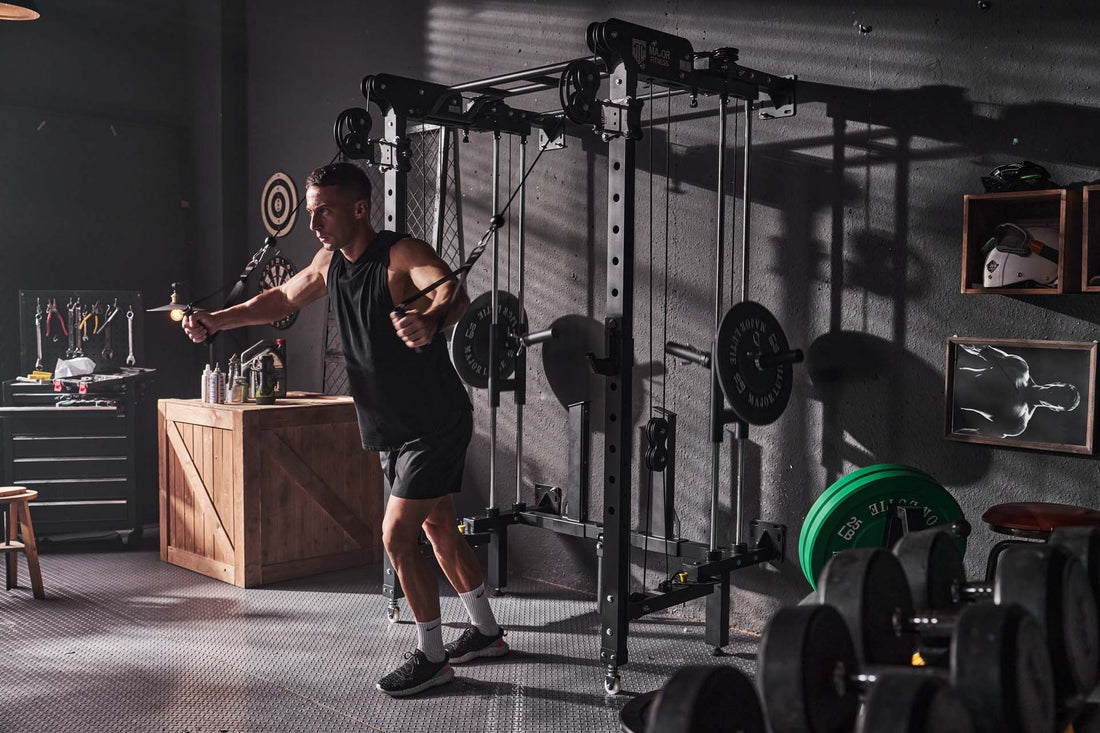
point(1024, 394)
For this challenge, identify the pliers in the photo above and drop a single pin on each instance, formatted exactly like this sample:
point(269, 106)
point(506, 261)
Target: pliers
point(51, 311)
point(94, 315)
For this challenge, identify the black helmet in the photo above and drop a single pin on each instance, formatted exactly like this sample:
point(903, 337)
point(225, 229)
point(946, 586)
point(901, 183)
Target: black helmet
point(1023, 176)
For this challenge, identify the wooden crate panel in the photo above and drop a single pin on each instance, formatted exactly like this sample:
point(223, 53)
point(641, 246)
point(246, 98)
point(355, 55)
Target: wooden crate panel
point(254, 494)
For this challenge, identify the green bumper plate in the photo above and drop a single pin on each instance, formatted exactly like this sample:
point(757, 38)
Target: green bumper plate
point(854, 511)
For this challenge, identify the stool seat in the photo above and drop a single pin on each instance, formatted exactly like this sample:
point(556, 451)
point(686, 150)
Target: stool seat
point(1037, 516)
point(16, 499)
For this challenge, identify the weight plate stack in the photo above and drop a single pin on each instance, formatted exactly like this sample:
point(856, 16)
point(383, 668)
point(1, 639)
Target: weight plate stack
point(855, 510)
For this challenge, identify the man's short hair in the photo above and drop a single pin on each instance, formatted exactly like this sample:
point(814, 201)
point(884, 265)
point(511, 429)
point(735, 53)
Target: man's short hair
point(348, 177)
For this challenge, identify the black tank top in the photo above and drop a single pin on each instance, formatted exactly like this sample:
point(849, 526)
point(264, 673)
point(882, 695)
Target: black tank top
point(399, 394)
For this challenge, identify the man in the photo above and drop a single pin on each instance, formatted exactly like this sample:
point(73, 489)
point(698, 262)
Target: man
point(411, 406)
point(995, 395)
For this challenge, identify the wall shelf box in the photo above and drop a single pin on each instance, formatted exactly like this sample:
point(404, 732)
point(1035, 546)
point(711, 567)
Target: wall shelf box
point(983, 212)
point(1090, 237)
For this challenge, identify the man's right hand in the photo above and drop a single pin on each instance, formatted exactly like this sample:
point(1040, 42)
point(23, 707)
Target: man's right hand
point(199, 326)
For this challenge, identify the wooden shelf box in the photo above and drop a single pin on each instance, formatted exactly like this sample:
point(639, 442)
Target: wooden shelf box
point(254, 494)
point(983, 212)
point(1090, 237)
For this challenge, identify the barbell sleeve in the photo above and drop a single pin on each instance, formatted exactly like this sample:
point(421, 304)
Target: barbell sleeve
point(767, 361)
point(688, 353)
point(530, 339)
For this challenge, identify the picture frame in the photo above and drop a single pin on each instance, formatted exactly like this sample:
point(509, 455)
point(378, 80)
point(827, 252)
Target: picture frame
point(1021, 393)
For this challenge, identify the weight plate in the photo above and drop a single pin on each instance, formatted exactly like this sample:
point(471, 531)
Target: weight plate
point(758, 394)
point(1052, 586)
point(857, 516)
point(868, 587)
point(804, 666)
point(828, 504)
point(806, 537)
point(634, 717)
point(934, 568)
point(470, 339)
point(1002, 669)
point(707, 700)
point(1084, 543)
point(900, 702)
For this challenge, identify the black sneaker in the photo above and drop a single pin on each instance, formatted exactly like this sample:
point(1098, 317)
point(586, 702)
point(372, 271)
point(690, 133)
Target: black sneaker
point(415, 675)
point(473, 644)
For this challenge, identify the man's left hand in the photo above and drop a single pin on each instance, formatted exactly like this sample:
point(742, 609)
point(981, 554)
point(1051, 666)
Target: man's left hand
point(415, 328)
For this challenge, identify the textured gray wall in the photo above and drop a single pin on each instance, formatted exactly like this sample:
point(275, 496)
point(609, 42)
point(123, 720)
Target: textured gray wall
point(855, 245)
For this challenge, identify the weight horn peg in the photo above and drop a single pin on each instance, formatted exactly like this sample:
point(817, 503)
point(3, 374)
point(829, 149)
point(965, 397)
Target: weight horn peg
point(1049, 582)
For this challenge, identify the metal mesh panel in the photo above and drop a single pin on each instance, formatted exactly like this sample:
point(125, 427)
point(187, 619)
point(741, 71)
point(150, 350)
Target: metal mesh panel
point(434, 155)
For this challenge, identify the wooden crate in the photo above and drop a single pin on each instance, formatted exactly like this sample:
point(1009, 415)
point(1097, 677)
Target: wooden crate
point(983, 212)
point(254, 494)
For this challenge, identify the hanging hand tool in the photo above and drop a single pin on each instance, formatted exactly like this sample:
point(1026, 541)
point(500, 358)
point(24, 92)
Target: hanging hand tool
point(93, 314)
point(108, 352)
point(130, 360)
point(51, 311)
point(74, 328)
point(38, 332)
point(69, 330)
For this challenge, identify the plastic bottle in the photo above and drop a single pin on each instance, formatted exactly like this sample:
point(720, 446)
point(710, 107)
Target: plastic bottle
point(219, 386)
point(280, 367)
point(265, 389)
point(206, 383)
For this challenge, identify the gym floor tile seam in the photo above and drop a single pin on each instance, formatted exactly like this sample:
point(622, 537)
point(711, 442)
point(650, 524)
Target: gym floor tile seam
point(124, 642)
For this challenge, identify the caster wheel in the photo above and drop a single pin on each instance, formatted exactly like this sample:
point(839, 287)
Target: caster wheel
point(612, 685)
point(393, 614)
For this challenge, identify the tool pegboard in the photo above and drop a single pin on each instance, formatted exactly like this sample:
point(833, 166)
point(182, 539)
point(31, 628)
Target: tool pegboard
point(106, 326)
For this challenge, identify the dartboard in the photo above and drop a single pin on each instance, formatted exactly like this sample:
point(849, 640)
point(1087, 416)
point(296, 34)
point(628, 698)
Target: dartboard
point(276, 272)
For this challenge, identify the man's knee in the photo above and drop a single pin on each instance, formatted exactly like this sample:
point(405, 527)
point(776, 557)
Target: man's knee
point(442, 533)
point(399, 537)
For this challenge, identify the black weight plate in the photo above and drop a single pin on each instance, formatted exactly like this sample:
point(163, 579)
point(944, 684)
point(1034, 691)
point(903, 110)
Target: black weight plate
point(1084, 542)
point(634, 717)
point(470, 339)
point(804, 666)
point(1002, 669)
point(1051, 585)
point(901, 702)
point(868, 587)
point(707, 700)
point(934, 568)
point(757, 395)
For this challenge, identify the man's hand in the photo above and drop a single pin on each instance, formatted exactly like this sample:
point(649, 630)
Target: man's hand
point(199, 325)
point(415, 328)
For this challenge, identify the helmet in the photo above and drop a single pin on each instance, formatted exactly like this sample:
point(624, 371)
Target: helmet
point(1016, 254)
point(1022, 176)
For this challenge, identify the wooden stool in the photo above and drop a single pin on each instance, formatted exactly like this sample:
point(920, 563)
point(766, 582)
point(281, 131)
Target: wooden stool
point(1032, 520)
point(14, 499)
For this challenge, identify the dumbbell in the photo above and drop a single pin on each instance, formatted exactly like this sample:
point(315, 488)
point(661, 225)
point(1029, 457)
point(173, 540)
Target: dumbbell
point(810, 677)
point(1084, 544)
point(711, 699)
point(869, 588)
point(1045, 579)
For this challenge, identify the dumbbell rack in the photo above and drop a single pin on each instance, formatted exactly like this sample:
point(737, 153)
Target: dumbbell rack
point(625, 54)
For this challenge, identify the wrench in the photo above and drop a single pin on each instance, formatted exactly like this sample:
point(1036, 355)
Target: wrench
point(130, 360)
point(69, 351)
point(108, 352)
point(74, 328)
point(38, 332)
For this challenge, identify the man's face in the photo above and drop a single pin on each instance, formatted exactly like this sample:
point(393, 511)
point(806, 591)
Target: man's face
point(334, 216)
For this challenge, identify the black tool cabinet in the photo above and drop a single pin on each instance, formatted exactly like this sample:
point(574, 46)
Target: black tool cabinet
point(85, 460)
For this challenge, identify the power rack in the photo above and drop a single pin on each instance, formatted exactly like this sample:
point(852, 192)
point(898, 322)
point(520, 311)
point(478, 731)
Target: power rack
point(625, 55)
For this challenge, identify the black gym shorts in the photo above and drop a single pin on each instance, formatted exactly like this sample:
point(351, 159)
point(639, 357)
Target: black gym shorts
point(430, 466)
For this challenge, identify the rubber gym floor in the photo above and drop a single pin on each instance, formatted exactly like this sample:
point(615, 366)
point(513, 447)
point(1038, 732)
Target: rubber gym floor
point(124, 642)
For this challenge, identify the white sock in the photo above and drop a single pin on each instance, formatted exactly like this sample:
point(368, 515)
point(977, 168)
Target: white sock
point(481, 616)
point(429, 639)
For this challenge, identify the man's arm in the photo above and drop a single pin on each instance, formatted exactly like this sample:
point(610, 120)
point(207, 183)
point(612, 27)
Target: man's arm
point(438, 309)
point(270, 305)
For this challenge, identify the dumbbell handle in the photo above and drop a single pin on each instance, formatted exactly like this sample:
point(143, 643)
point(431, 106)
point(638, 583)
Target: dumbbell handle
point(925, 625)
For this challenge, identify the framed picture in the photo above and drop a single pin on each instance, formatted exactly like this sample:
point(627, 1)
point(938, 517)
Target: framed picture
point(1025, 394)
